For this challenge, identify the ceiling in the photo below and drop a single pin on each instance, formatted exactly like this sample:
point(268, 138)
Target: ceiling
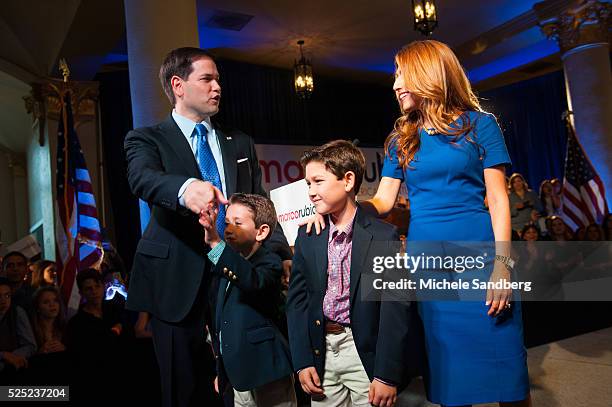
point(497, 41)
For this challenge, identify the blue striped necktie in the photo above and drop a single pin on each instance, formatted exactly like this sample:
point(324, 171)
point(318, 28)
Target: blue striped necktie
point(209, 170)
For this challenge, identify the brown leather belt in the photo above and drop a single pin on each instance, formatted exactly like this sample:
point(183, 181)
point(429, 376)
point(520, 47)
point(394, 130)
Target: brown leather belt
point(334, 328)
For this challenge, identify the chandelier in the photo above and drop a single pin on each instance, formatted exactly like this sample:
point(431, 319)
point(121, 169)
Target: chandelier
point(302, 75)
point(425, 16)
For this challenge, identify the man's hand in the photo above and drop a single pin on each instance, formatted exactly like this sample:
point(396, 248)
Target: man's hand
point(382, 395)
point(18, 362)
point(208, 219)
point(216, 384)
point(309, 379)
point(200, 195)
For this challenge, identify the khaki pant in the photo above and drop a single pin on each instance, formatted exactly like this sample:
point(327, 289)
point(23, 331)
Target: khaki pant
point(280, 393)
point(345, 382)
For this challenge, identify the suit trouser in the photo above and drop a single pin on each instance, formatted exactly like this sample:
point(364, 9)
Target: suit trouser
point(345, 381)
point(184, 358)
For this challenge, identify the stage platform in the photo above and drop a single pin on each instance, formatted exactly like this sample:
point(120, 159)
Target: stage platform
point(573, 372)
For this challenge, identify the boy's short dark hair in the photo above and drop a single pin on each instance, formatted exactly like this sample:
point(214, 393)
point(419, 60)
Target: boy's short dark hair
point(178, 62)
point(339, 157)
point(12, 254)
point(261, 207)
point(87, 274)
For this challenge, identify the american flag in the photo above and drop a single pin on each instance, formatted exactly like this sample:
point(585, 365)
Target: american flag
point(77, 230)
point(584, 196)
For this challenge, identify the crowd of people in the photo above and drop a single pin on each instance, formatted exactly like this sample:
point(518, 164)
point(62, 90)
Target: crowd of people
point(41, 342)
point(538, 216)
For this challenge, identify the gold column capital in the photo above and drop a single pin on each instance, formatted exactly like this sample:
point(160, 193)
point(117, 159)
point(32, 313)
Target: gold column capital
point(45, 101)
point(585, 24)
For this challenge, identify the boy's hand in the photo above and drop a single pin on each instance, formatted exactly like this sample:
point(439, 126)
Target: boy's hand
point(382, 395)
point(208, 219)
point(309, 379)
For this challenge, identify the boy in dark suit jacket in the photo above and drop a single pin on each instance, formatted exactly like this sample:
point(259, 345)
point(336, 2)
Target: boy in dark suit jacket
point(252, 354)
point(346, 351)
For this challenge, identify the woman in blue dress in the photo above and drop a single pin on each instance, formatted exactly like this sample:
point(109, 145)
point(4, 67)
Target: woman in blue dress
point(451, 155)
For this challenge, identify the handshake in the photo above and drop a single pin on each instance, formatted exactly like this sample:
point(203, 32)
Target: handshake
point(204, 199)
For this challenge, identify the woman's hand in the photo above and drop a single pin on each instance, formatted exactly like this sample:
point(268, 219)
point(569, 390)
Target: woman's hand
point(499, 299)
point(52, 346)
point(318, 221)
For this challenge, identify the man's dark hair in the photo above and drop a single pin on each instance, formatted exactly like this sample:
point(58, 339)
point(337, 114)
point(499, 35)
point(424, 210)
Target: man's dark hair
point(339, 157)
point(261, 207)
point(86, 275)
point(179, 62)
point(13, 254)
point(5, 281)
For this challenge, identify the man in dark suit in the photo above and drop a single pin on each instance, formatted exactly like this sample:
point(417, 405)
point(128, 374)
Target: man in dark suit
point(182, 166)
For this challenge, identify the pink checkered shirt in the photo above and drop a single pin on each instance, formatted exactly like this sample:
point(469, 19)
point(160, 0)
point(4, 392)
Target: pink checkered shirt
point(336, 303)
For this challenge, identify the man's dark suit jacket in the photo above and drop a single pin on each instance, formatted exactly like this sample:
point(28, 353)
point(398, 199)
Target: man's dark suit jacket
point(254, 352)
point(170, 259)
point(380, 329)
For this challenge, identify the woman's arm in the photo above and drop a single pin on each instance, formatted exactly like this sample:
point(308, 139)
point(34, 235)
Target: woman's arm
point(384, 200)
point(379, 206)
point(499, 205)
point(499, 208)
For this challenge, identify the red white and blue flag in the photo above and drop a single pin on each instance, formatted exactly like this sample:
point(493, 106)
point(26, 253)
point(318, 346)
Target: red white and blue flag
point(77, 230)
point(584, 196)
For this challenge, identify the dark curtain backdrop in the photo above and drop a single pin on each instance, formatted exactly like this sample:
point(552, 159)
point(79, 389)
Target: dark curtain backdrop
point(116, 121)
point(261, 102)
point(529, 113)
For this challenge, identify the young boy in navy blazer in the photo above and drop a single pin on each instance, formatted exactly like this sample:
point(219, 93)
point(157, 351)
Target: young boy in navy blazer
point(252, 354)
point(346, 351)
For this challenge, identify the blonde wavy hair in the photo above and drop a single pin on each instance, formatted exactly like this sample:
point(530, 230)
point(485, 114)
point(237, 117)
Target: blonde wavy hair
point(432, 72)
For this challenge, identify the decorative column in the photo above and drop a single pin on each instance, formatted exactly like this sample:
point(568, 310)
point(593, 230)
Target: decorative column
point(44, 104)
point(154, 28)
point(583, 34)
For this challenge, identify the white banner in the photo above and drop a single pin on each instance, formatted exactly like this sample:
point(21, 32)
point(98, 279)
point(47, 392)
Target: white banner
point(293, 207)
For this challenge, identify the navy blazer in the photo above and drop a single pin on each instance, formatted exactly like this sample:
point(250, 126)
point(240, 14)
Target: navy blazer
point(253, 350)
point(170, 259)
point(380, 329)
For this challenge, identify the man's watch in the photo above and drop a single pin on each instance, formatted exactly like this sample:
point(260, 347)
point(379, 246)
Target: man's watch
point(506, 261)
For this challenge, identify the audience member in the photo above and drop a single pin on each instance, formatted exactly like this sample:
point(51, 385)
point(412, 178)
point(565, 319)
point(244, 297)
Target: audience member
point(530, 233)
point(551, 202)
point(44, 273)
point(522, 201)
point(579, 234)
point(97, 326)
point(97, 337)
point(48, 320)
point(594, 233)
point(557, 186)
point(559, 231)
point(15, 266)
point(606, 225)
point(17, 342)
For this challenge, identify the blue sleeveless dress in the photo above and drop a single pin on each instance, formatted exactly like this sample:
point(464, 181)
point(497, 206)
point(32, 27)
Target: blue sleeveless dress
point(472, 357)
